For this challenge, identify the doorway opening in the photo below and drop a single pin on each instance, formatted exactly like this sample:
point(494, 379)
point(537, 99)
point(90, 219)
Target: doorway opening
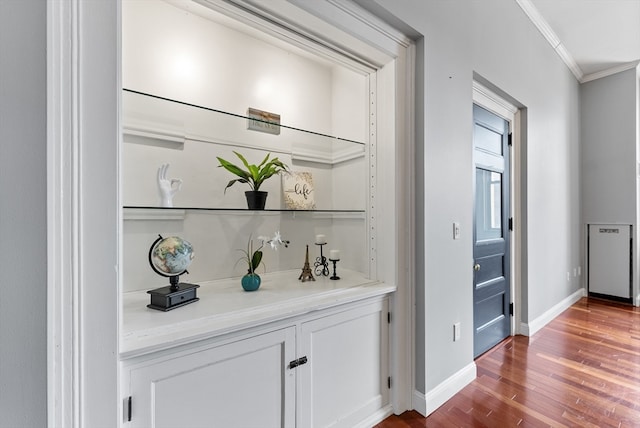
point(498, 219)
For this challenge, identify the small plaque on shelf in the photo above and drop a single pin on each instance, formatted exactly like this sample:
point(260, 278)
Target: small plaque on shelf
point(263, 121)
point(298, 191)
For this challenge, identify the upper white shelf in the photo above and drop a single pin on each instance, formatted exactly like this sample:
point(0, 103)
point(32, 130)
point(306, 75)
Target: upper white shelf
point(188, 139)
point(163, 122)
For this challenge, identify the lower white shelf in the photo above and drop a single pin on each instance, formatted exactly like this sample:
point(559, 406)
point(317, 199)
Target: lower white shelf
point(224, 307)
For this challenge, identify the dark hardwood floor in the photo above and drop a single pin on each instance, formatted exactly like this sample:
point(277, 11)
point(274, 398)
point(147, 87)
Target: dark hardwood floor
point(581, 370)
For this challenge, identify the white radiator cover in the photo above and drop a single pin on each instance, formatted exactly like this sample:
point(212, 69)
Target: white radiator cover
point(610, 259)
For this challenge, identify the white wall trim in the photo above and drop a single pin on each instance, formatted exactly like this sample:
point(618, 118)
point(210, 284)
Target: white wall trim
point(82, 213)
point(387, 36)
point(486, 98)
point(610, 71)
point(62, 367)
point(427, 404)
point(543, 26)
point(376, 417)
point(545, 29)
point(419, 402)
point(288, 22)
point(537, 324)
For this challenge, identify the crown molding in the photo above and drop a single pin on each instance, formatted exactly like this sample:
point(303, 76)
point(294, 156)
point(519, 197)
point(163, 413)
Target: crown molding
point(564, 54)
point(610, 71)
point(543, 26)
point(295, 25)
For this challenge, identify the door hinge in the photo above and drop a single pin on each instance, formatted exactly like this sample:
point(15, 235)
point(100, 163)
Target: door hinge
point(129, 408)
point(511, 309)
point(510, 139)
point(388, 317)
point(389, 382)
point(511, 224)
point(300, 361)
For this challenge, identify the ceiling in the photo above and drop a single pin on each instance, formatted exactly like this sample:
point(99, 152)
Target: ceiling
point(595, 38)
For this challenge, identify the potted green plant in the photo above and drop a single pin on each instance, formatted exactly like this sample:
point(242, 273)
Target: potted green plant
point(254, 176)
point(251, 281)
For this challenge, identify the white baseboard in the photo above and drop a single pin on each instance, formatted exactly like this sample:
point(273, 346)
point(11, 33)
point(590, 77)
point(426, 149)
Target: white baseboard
point(419, 403)
point(376, 418)
point(426, 404)
point(534, 326)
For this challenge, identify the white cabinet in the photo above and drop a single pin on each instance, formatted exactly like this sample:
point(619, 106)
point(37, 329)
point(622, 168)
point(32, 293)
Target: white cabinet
point(242, 383)
point(346, 379)
point(246, 380)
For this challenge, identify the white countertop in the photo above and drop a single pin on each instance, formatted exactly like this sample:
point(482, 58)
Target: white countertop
point(225, 307)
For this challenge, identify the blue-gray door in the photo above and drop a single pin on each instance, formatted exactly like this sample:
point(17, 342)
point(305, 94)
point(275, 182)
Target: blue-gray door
point(491, 282)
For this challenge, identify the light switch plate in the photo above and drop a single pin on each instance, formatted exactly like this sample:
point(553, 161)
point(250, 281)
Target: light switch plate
point(456, 230)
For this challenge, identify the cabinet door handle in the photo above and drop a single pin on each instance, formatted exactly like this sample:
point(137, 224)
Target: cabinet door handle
point(300, 361)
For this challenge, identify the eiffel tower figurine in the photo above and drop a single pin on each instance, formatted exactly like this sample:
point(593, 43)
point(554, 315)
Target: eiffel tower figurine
point(306, 274)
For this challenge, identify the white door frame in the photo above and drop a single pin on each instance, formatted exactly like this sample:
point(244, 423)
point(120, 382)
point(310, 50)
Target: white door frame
point(486, 98)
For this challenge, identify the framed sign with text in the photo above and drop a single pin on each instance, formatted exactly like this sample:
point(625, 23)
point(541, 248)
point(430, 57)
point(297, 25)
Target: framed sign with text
point(298, 191)
point(263, 121)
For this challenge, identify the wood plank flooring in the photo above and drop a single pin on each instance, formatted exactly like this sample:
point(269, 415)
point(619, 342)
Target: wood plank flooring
point(581, 370)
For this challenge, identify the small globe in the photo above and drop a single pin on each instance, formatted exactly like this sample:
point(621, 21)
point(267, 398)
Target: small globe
point(171, 256)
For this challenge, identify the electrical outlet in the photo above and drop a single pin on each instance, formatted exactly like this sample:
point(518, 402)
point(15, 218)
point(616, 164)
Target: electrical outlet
point(456, 332)
point(568, 276)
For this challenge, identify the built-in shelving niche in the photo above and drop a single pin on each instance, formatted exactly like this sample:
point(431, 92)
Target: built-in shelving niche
point(158, 130)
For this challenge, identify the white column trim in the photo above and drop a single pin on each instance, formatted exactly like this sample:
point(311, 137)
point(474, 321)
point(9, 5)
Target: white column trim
point(62, 366)
point(82, 213)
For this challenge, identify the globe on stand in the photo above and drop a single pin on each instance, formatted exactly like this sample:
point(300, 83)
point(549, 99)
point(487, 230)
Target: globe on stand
point(170, 257)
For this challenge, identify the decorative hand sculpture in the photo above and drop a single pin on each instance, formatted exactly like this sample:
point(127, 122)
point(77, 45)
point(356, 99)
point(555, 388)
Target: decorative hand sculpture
point(167, 187)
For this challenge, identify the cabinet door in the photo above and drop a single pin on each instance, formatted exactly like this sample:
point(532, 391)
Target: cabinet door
point(239, 384)
point(345, 379)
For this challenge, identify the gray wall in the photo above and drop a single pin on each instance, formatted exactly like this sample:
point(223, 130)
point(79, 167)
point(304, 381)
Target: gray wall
point(23, 217)
point(493, 39)
point(609, 152)
point(608, 129)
